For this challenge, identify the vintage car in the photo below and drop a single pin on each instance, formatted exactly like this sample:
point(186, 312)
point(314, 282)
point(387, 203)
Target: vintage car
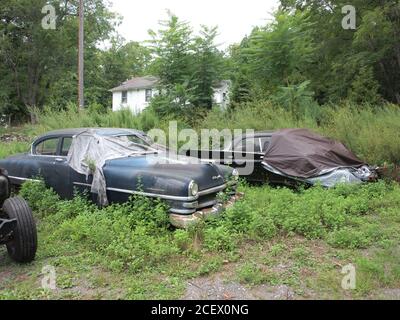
point(17, 225)
point(238, 153)
point(290, 157)
point(189, 186)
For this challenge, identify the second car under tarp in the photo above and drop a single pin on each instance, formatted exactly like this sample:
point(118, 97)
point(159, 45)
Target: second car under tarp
point(303, 155)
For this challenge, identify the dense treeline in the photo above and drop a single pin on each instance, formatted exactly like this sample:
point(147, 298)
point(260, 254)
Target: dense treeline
point(301, 60)
point(306, 52)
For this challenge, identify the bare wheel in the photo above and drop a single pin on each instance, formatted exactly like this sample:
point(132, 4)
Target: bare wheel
point(22, 247)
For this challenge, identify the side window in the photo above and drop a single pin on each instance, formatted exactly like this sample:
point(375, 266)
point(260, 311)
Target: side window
point(264, 143)
point(248, 145)
point(47, 147)
point(65, 146)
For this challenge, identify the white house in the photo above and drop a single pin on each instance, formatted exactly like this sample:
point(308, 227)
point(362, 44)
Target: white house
point(221, 93)
point(136, 93)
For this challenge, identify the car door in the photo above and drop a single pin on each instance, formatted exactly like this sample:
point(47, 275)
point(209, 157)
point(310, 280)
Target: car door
point(247, 157)
point(52, 165)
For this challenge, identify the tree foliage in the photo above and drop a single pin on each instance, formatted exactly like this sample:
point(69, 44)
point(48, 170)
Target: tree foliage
point(300, 58)
point(306, 42)
point(38, 62)
point(188, 66)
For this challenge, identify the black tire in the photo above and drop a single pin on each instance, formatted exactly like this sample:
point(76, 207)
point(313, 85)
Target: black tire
point(22, 247)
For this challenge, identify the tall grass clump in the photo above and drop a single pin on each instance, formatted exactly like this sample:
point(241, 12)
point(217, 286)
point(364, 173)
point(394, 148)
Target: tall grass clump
point(71, 117)
point(373, 133)
point(9, 148)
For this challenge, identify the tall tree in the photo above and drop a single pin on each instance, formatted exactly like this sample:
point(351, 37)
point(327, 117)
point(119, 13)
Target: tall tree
point(38, 59)
point(207, 67)
point(172, 47)
point(188, 66)
point(346, 55)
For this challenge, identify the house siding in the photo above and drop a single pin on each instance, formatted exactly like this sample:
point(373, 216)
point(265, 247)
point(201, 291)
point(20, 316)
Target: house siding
point(136, 100)
point(220, 93)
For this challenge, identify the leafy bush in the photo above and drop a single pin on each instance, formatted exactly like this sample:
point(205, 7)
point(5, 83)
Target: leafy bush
point(355, 238)
point(219, 238)
point(39, 197)
point(336, 214)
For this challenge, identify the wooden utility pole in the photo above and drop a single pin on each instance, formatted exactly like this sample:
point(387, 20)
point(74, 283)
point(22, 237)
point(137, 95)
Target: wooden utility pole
point(81, 101)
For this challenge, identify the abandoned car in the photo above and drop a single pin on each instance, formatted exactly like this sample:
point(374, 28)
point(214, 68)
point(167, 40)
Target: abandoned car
point(17, 226)
point(238, 153)
point(117, 163)
point(290, 157)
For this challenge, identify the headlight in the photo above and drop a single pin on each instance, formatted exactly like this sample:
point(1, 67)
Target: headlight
point(193, 188)
point(235, 174)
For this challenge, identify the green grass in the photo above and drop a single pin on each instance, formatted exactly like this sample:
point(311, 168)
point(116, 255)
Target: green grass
point(273, 236)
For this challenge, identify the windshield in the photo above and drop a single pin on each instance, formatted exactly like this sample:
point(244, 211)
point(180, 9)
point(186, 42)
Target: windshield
point(143, 142)
point(136, 139)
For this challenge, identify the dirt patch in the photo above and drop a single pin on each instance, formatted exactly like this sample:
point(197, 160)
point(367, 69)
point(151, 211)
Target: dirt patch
point(216, 288)
point(389, 294)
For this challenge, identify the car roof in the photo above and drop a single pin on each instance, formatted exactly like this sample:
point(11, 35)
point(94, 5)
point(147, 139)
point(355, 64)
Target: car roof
point(99, 131)
point(256, 134)
point(267, 133)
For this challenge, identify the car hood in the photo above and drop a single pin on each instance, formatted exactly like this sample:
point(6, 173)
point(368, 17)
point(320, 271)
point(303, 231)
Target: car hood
point(182, 168)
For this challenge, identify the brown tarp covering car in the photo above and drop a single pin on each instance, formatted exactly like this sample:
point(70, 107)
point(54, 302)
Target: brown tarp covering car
point(304, 154)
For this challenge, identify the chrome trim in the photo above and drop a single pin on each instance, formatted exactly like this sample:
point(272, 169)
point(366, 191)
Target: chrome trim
point(82, 184)
point(182, 211)
point(207, 204)
point(190, 205)
point(167, 197)
point(212, 190)
point(49, 156)
point(23, 179)
point(154, 195)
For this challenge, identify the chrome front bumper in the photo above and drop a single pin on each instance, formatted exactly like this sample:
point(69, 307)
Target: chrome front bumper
point(185, 220)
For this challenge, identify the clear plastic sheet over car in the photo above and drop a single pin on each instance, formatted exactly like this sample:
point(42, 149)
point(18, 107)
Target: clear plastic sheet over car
point(89, 152)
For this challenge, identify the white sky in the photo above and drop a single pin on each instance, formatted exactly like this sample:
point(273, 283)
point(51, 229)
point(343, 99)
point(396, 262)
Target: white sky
point(235, 18)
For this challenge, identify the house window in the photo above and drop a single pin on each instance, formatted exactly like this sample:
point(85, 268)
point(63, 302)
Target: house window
point(124, 97)
point(148, 94)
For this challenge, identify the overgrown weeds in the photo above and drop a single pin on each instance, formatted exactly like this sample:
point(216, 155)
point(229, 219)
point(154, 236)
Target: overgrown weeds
point(136, 235)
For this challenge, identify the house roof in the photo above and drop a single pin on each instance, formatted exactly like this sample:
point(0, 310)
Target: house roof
point(137, 83)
